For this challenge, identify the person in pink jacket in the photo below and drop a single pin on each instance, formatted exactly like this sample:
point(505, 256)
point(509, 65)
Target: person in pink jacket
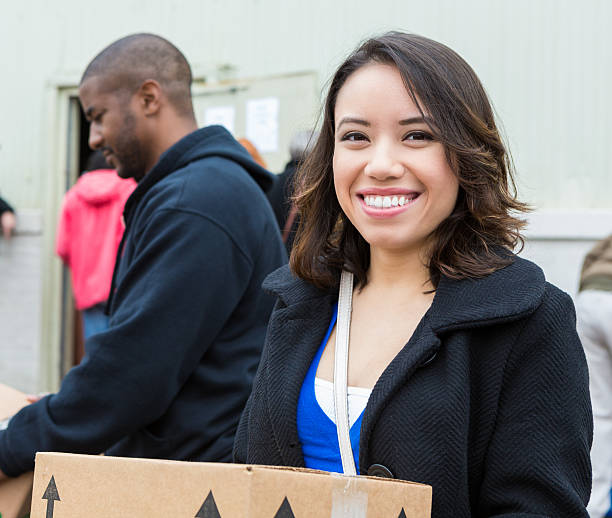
point(88, 235)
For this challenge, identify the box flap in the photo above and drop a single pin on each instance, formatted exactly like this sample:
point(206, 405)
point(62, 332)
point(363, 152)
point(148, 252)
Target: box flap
point(95, 486)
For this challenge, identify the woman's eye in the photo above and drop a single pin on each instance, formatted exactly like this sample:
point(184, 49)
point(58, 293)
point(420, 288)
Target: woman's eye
point(418, 136)
point(354, 136)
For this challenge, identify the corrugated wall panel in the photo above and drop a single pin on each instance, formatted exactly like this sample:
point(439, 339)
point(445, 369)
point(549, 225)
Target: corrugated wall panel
point(546, 64)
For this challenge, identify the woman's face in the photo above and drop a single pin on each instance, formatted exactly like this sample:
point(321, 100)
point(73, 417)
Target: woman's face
point(391, 176)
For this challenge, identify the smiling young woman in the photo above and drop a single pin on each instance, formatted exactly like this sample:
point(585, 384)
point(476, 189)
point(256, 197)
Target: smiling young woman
point(448, 359)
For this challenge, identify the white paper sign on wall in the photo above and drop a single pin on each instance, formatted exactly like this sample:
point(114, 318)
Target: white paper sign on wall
point(223, 115)
point(262, 123)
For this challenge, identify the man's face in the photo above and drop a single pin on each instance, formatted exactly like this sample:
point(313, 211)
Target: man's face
point(114, 127)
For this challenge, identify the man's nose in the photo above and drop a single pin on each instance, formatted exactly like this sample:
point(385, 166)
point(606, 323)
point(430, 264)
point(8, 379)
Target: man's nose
point(384, 164)
point(95, 137)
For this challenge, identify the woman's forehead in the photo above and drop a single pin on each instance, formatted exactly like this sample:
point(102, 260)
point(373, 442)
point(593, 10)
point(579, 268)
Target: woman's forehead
point(377, 90)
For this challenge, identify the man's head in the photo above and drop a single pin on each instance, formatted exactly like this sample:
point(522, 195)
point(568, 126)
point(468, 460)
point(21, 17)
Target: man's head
point(137, 95)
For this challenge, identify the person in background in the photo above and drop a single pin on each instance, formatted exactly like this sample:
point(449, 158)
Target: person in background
point(408, 340)
point(88, 235)
point(7, 219)
point(280, 194)
point(171, 374)
point(594, 312)
point(255, 154)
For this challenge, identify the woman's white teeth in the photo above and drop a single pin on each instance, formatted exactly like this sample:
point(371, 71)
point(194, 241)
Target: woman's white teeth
point(385, 202)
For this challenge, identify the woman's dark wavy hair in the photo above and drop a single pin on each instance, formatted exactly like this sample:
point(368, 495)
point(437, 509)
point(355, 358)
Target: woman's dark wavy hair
point(476, 238)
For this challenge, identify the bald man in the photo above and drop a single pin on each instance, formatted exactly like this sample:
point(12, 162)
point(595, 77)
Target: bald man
point(187, 315)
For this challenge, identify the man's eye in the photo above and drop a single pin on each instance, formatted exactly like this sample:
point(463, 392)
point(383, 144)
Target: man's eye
point(96, 117)
point(354, 136)
point(418, 136)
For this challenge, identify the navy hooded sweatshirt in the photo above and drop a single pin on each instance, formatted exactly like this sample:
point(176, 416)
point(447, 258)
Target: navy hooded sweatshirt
point(172, 374)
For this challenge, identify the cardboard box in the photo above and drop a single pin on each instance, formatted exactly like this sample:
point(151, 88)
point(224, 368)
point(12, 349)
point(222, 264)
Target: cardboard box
point(15, 493)
point(81, 485)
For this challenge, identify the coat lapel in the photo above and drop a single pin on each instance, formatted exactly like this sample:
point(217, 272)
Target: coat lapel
point(294, 337)
point(420, 349)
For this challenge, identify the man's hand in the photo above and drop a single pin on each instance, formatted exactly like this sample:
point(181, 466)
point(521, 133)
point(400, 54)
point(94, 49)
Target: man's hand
point(33, 398)
point(7, 222)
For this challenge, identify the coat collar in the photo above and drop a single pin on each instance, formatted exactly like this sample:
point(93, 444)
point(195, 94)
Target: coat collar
point(505, 295)
point(291, 289)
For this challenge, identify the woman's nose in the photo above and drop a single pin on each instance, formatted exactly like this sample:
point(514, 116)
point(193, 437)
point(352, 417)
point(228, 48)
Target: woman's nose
point(383, 164)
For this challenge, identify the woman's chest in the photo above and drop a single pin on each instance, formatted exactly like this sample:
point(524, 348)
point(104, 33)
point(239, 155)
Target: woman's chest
point(375, 339)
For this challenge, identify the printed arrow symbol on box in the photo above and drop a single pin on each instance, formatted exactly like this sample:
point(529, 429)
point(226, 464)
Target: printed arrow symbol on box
point(51, 495)
point(209, 508)
point(285, 511)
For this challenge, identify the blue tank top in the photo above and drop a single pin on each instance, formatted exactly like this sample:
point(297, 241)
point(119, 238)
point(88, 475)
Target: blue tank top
point(316, 431)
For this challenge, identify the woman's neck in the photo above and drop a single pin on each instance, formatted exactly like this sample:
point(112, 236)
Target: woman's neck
point(399, 271)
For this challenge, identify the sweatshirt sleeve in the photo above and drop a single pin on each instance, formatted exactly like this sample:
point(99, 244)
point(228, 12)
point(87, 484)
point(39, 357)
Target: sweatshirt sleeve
point(545, 410)
point(185, 278)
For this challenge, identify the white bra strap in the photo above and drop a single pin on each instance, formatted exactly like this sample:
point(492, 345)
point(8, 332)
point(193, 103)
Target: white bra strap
point(343, 325)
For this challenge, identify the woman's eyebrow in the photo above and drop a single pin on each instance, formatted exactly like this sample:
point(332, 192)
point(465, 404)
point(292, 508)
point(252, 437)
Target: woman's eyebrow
point(353, 120)
point(403, 122)
point(414, 120)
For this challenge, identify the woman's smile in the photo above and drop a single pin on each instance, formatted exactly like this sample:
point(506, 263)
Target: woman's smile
point(381, 204)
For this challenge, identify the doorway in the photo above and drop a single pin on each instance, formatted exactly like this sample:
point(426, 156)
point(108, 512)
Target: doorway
point(72, 342)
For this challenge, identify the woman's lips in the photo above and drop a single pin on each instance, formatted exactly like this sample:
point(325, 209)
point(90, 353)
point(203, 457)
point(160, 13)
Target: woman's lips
point(388, 201)
point(380, 206)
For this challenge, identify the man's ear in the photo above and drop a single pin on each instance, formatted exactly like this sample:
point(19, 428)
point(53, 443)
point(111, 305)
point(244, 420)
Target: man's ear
point(150, 97)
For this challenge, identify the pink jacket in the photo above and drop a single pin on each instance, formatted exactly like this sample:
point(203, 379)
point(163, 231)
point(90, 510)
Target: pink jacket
point(89, 232)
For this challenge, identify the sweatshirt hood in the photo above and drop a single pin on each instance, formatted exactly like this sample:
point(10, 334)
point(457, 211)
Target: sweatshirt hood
point(205, 142)
point(99, 187)
point(218, 142)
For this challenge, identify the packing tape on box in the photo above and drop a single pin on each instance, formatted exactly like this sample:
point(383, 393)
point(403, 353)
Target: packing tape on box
point(348, 502)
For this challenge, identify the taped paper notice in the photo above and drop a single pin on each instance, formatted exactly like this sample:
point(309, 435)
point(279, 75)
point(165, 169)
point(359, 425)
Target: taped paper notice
point(222, 115)
point(262, 123)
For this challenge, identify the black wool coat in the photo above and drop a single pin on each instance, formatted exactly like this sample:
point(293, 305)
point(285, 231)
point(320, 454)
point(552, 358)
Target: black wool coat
point(488, 402)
